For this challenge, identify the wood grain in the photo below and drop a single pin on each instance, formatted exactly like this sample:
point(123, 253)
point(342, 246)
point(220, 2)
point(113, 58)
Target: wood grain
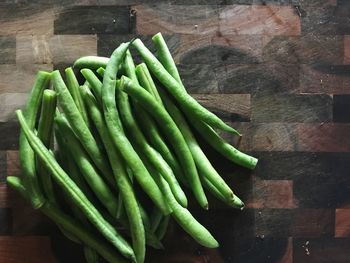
point(29, 249)
point(277, 70)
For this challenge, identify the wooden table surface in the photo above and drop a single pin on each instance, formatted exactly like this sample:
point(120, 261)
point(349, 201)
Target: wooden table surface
point(279, 71)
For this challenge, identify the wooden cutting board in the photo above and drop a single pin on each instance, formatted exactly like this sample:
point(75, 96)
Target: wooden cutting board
point(278, 71)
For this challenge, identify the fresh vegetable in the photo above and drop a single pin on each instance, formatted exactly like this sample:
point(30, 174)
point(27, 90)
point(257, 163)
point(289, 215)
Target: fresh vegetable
point(124, 149)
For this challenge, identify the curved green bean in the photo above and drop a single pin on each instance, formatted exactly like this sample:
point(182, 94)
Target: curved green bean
point(125, 188)
point(187, 221)
point(95, 83)
point(162, 228)
point(171, 131)
point(45, 132)
point(91, 62)
point(156, 217)
point(119, 139)
point(26, 154)
point(73, 87)
point(219, 144)
point(74, 192)
point(188, 104)
point(165, 56)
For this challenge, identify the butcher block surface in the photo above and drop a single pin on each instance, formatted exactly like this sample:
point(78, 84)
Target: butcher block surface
point(278, 71)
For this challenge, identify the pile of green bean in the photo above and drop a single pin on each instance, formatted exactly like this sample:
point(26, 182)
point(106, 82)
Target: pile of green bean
point(85, 146)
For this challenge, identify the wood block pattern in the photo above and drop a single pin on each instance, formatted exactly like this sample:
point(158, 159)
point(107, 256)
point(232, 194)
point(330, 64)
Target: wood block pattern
point(277, 70)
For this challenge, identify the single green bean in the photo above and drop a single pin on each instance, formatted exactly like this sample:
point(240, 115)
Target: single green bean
point(89, 238)
point(119, 139)
point(79, 127)
point(125, 188)
point(188, 104)
point(92, 177)
point(26, 154)
point(73, 87)
point(156, 218)
point(90, 255)
point(144, 216)
point(165, 56)
point(171, 131)
point(74, 192)
point(137, 137)
point(91, 62)
point(45, 132)
point(95, 83)
point(162, 228)
point(224, 148)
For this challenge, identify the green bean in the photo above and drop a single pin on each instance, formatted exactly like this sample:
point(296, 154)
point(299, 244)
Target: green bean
point(73, 87)
point(165, 56)
point(224, 148)
point(146, 81)
point(156, 218)
point(153, 135)
point(188, 222)
point(70, 225)
point(91, 62)
point(96, 183)
point(74, 192)
point(188, 104)
point(162, 228)
point(148, 125)
point(181, 214)
point(171, 131)
point(121, 177)
point(234, 202)
point(144, 216)
point(79, 126)
point(48, 107)
point(74, 173)
point(205, 130)
point(26, 154)
point(138, 138)
point(65, 158)
point(100, 71)
point(119, 139)
point(91, 255)
point(203, 164)
point(95, 83)
point(120, 210)
point(151, 239)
